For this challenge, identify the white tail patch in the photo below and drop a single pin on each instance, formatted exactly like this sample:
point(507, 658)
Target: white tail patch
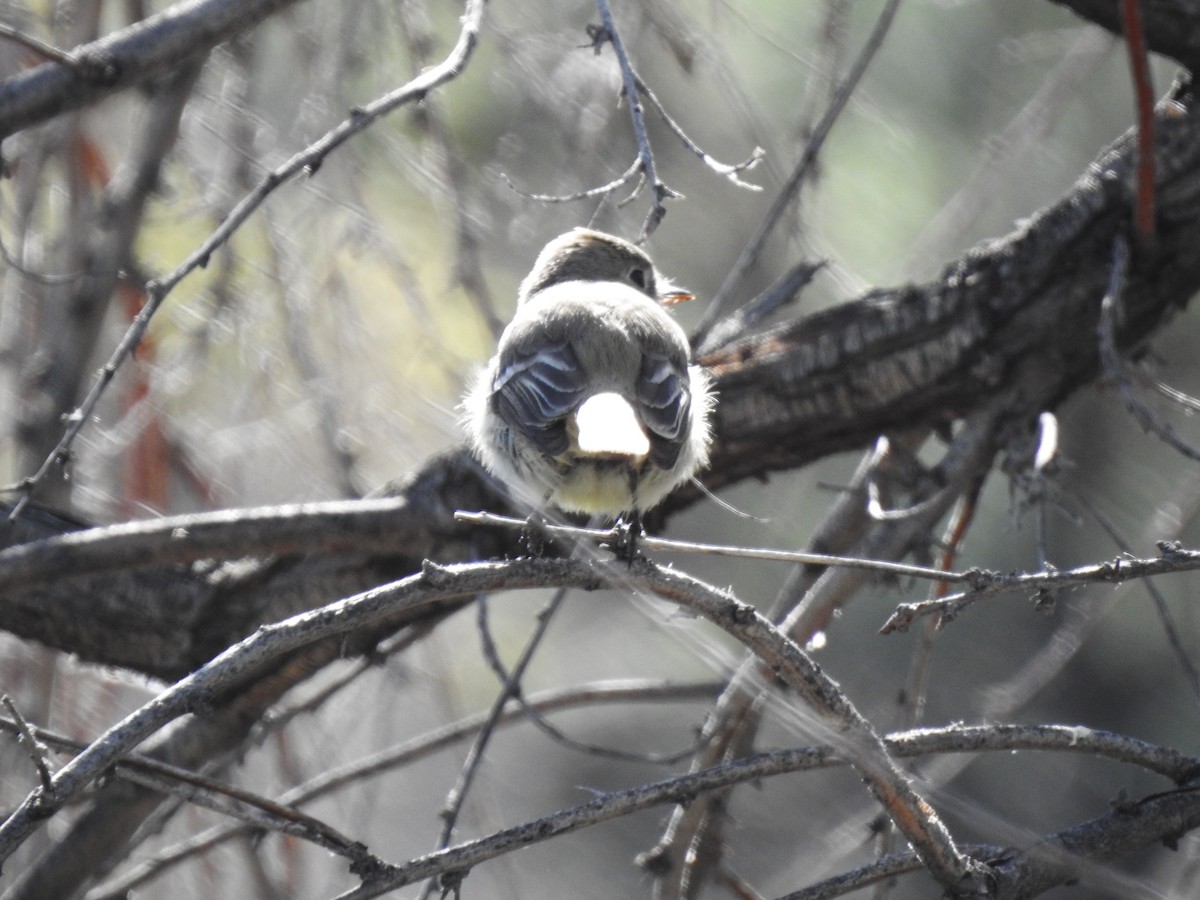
point(608, 426)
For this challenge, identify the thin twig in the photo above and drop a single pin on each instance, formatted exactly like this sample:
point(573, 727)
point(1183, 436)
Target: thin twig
point(953, 739)
point(511, 687)
point(785, 289)
point(685, 788)
point(992, 584)
point(37, 45)
point(857, 740)
point(492, 655)
point(754, 247)
point(650, 542)
point(252, 810)
point(916, 690)
point(806, 606)
point(198, 689)
point(629, 80)
point(602, 190)
point(246, 807)
point(881, 870)
point(38, 752)
point(307, 161)
point(384, 761)
point(862, 747)
point(728, 170)
point(1165, 618)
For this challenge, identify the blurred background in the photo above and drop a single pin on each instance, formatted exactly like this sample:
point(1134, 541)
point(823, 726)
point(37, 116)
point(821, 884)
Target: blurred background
point(324, 350)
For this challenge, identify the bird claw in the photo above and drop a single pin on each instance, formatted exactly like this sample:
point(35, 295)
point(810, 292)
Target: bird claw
point(625, 540)
point(534, 536)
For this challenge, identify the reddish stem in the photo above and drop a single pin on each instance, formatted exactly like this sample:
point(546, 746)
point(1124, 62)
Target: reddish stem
point(1143, 89)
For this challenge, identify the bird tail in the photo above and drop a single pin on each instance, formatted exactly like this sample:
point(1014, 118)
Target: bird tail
point(608, 426)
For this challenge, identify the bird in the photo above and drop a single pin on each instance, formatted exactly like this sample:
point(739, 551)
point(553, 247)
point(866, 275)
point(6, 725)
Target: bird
point(591, 402)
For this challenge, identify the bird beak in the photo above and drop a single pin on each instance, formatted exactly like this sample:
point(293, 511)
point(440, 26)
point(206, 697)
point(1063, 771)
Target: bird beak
point(671, 298)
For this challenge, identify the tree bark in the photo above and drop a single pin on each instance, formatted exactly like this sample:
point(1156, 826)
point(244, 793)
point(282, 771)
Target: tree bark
point(1018, 311)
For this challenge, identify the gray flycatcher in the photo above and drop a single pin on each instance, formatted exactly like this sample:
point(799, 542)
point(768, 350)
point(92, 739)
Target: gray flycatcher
point(591, 402)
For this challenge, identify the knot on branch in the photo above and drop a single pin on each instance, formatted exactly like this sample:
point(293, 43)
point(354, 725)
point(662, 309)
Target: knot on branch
point(433, 573)
point(740, 613)
point(365, 865)
point(96, 67)
point(43, 803)
point(598, 35)
point(978, 579)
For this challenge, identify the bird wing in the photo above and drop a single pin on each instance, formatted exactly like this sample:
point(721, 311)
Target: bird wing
point(535, 391)
point(664, 404)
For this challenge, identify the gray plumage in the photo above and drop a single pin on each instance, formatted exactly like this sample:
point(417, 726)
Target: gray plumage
point(591, 401)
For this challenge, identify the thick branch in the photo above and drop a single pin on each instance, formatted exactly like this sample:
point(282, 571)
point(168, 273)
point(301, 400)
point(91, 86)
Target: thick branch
point(133, 55)
point(1172, 26)
point(1018, 315)
point(1023, 307)
point(1066, 857)
point(854, 736)
point(905, 745)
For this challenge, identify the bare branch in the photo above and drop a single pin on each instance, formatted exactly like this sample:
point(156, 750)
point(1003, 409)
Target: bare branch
point(38, 752)
point(791, 188)
point(1170, 26)
point(629, 79)
point(684, 788)
point(629, 691)
point(806, 605)
point(307, 160)
point(510, 688)
point(330, 527)
point(143, 51)
point(248, 808)
point(600, 191)
point(729, 170)
point(649, 542)
point(1070, 855)
point(992, 584)
point(38, 46)
point(877, 872)
point(856, 738)
point(104, 254)
point(199, 688)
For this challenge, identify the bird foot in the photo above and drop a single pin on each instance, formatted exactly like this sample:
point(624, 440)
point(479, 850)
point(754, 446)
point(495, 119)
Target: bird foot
point(534, 536)
point(625, 540)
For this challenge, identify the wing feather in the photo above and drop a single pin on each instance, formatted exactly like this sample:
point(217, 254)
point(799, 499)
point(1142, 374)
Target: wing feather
point(535, 392)
point(664, 404)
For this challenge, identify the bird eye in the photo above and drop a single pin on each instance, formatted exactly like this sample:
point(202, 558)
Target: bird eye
point(639, 277)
